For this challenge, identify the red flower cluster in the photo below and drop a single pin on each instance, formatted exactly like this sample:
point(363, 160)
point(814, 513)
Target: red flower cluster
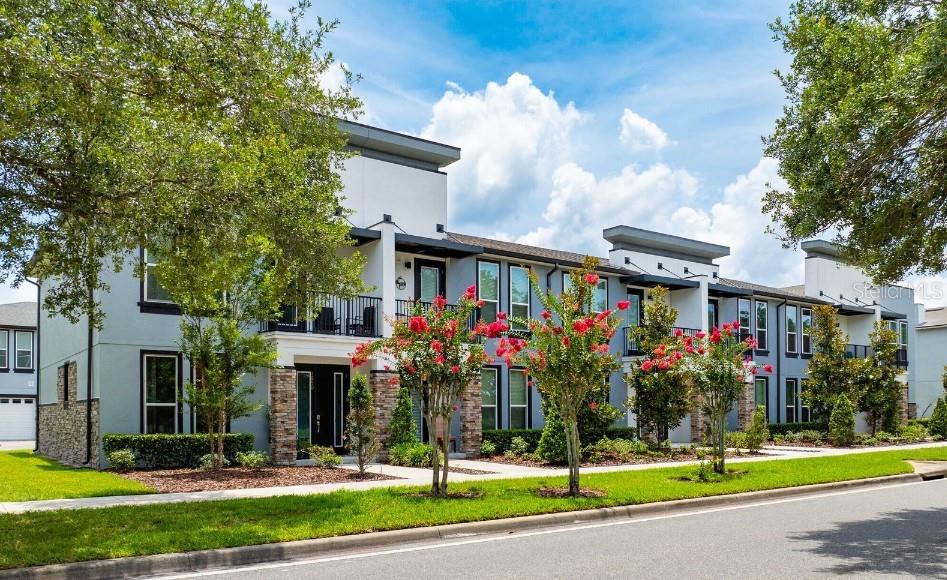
point(418, 324)
point(361, 354)
point(623, 304)
point(469, 293)
point(509, 348)
point(591, 279)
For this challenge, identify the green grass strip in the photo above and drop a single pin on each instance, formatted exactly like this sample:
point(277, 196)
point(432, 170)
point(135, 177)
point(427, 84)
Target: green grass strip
point(27, 477)
point(69, 536)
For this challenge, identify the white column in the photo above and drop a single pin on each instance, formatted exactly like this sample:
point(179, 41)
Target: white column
point(388, 275)
point(704, 300)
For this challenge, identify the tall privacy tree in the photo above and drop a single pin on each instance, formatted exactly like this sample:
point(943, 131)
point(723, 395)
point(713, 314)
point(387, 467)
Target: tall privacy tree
point(831, 372)
point(660, 400)
point(437, 357)
point(363, 439)
point(567, 352)
point(863, 137)
point(125, 122)
point(879, 392)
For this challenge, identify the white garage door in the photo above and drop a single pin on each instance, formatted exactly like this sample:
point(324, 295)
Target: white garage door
point(17, 419)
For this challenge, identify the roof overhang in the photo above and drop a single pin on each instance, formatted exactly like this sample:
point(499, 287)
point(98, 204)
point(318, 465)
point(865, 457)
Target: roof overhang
point(724, 290)
point(637, 239)
point(849, 310)
point(889, 315)
point(364, 235)
point(360, 135)
point(650, 280)
point(435, 247)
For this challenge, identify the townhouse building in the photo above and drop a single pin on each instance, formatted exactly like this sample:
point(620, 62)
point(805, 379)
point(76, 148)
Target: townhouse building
point(18, 371)
point(396, 189)
point(931, 358)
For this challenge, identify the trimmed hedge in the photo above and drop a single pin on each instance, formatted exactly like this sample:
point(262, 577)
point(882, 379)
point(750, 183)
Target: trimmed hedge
point(162, 451)
point(784, 428)
point(502, 437)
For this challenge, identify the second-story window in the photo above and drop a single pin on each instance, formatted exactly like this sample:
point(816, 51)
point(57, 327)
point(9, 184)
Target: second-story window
point(713, 319)
point(488, 289)
point(4, 349)
point(806, 330)
point(24, 349)
point(792, 332)
point(154, 291)
point(762, 324)
point(744, 314)
point(519, 295)
point(903, 333)
point(600, 296)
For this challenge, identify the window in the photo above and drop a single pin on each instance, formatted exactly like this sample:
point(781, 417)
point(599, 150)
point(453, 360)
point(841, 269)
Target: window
point(806, 330)
point(429, 283)
point(303, 409)
point(903, 333)
point(24, 349)
point(338, 408)
point(65, 382)
point(792, 333)
point(762, 323)
point(634, 307)
point(519, 399)
point(488, 398)
point(761, 391)
point(713, 320)
point(488, 289)
point(154, 291)
point(792, 388)
point(600, 296)
point(519, 295)
point(804, 414)
point(4, 349)
point(160, 378)
point(744, 307)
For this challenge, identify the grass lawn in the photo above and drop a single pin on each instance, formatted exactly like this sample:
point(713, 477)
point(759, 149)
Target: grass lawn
point(25, 477)
point(65, 536)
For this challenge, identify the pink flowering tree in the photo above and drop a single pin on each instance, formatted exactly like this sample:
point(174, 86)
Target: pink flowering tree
point(717, 366)
point(566, 352)
point(436, 356)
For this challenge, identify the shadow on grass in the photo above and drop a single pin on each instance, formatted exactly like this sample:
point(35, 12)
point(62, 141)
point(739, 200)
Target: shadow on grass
point(908, 542)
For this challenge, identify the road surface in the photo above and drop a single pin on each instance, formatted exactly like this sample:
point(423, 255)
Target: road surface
point(896, 531)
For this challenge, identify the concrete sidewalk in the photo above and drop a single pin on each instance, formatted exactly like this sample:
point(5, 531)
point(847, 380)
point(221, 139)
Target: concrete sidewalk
point(411, 476)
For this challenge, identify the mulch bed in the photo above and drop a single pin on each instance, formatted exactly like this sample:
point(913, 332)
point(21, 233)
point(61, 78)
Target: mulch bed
point(636, 460)
point(191, 480)
point(560, 492)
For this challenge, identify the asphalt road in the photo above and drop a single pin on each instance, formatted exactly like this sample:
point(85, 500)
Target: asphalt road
point(898, 531)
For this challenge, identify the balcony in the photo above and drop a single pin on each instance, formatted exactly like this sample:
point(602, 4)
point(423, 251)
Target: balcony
point(632, 348)
point(406, 308)
point(360, 317)
point(865, 351)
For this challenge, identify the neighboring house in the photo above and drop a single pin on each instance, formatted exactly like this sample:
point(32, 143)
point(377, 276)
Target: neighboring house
point(18, 371)
point(932, 358)
point(397, 190)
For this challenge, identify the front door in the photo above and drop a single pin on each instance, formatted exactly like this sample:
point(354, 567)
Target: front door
point(330, 405)
point(429, 280)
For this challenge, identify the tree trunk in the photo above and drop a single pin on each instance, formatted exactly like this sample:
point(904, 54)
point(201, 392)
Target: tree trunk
point(431, 421)
point(720, 444)
point(221, 430)
point(571, 427)
point(445, 449)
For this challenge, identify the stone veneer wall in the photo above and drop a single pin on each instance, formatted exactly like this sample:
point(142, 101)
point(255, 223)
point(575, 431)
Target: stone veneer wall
point(62, 425)
point(384, 386)
point(746, 405)
point(282, 383)
point(471, 419)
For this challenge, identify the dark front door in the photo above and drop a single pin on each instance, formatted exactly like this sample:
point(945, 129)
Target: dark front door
point(330, 405)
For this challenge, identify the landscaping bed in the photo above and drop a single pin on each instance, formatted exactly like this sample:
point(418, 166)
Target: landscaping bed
point(89, 534)
point(682, 454)
point(191, 480)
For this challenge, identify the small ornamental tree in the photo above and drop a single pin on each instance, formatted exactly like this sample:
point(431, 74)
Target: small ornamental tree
point(660, 400)
point(831, 373)
point(363, 440)
point(716, 366)
point(567, 353)
point(842, 422)
point(938, 422)
point(436, 358)
point(402, 428)
point(877, 384)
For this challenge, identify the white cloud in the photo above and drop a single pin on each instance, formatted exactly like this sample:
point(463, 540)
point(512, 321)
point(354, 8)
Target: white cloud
point(511, 136)
point(640, 134)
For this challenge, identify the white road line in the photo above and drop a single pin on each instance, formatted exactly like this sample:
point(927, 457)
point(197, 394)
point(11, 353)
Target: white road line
point(503, 536)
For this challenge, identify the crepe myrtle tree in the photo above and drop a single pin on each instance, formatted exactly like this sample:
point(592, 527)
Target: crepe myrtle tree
point(716, 365)
point(436, 355)
point(567, 352)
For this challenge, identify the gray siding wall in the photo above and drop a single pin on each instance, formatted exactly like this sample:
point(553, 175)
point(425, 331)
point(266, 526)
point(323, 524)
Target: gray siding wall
point(15, 381)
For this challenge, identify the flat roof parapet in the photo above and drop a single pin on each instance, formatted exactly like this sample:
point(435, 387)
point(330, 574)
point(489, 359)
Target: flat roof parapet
point(651, 242)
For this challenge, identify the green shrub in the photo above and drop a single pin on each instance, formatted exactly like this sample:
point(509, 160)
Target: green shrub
point(252, 459)
point(813, 436)
point(885, 437)
point(842, 422)
point(322, 456)
point(757, 434)
point(938, 422)
point(552, 443)
point(501, 438)
point(518, 448)
point(402, 428)
point(785, 428)
point(913, 433)
point(606, 449)
point(488, 449)
point(122, 460)
point(413, 455)
point(163, 451)
point(206, 462)
point(736, 439)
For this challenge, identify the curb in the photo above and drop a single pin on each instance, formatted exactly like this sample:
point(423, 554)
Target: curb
point(242, 556)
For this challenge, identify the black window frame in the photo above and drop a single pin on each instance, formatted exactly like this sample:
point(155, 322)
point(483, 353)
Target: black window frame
point(16, 351)
point(762, 344)
point(499, 297)
point(748, 327)
point(509, 294)
point(497, 405)
point(794, 392)
point(805, 331)
point(792, 345)
point(179, 391)
point(509, 402)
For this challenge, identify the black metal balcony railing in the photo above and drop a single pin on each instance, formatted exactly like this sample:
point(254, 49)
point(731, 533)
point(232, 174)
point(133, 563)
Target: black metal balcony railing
point(360, 316)
point(865, 351)
point(632, 348)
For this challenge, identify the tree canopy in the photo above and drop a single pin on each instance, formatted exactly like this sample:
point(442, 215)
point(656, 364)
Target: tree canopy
point(862, 141)
point(193, 123)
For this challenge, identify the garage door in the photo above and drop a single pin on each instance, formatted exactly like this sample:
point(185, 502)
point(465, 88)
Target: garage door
point(17, 419)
